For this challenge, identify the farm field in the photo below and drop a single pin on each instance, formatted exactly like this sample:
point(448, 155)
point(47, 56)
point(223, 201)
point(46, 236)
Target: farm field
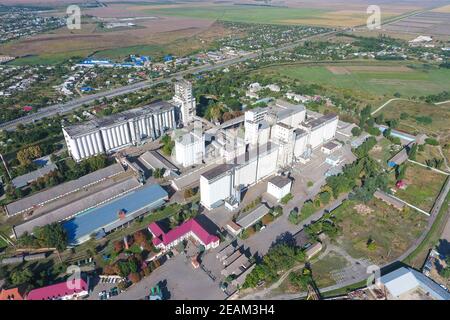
point(156, 37)
point(423, 186)
point(306, 13)
point(391, 231)
point(378, 80)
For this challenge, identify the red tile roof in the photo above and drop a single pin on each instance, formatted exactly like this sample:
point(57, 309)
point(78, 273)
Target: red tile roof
point(10, 294)
point(57, 291)
point(189, 226)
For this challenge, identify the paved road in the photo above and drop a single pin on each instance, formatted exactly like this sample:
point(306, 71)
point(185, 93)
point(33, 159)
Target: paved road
point(434, 212)
point(76, 103)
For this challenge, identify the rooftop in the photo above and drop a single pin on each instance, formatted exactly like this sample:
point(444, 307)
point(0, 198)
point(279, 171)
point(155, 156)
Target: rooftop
point(143, 199)
point(322, 120)
point(280, 181)
point(95, 124)
point(191, 225)
point(217, 171)
point(68, 210)
point(61, 190)
point(330, 145)
point(251, 218)
point(405, 280)
point(23, 180)
point(10, 294)
point(154, 160)
point(58, 291)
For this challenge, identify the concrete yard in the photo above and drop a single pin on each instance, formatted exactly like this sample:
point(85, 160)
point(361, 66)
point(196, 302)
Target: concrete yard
point(182, 282)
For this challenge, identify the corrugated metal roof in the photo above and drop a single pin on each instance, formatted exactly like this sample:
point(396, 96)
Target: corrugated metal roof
point(63, 189)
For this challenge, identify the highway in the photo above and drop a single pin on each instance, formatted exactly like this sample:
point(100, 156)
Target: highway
point(76, 103)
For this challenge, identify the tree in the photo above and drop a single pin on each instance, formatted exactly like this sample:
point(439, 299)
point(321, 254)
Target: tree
point(140, 237)
point(293, 217)
point(325, 197)
point(52, 236)
point(21, 276)
point(118, 246)
point(412, 152)
point(356, 131)
point(400, 171)
point(25, 156)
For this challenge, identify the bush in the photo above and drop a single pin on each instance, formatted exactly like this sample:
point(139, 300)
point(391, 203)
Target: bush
point(286, 198)
point(356, 131)
point(431, 141)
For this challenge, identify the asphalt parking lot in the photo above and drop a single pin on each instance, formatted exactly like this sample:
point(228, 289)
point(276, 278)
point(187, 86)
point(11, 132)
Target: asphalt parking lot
point(178, 281)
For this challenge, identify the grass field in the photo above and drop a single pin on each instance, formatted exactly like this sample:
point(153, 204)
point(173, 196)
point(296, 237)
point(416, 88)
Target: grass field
point(392, 231)
point(440, 115)
point(372, 82)
point(424, 186)
point(322, 269)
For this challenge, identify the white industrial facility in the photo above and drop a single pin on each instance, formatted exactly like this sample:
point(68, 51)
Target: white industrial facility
point(131, 127)
point(184, 99)
point(276, 137)
point(190, 149)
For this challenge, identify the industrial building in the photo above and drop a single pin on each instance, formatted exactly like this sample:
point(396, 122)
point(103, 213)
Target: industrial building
point(276, 137)
point(225, 183)
point(409, 284)
point(190, 148)
point(114, 214)
point(131, 127)
point(34, 202)
point(279, 187)
point(184, 100)
point(114, 132)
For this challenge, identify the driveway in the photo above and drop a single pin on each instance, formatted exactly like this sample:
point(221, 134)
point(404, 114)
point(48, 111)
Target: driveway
point(178, 281)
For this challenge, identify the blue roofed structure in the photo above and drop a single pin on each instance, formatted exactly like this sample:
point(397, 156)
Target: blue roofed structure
point(114, 214)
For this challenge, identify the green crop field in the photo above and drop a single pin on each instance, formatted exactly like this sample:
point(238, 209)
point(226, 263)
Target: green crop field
point(250, 14)
point(408, 83)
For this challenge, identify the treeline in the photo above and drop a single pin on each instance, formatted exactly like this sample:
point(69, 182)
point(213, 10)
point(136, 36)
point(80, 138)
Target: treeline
point(363, 177)
point(443, 96)
point(68, 170)
point(279, 258)
point(50, 236)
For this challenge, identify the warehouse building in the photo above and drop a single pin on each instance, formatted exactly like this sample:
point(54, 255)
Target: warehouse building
point(72, 208)
point(39, 199)
point(114, 214)
point(409, 284)
point(114, 132)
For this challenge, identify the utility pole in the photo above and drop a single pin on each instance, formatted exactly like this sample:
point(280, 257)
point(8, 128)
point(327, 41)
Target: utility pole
point(6, 167)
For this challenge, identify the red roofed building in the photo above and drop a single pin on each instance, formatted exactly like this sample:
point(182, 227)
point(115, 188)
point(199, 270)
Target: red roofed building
point(190, 228)
point(67, 290)
point(10, 294)
point(27, 108)
point(401, 185)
